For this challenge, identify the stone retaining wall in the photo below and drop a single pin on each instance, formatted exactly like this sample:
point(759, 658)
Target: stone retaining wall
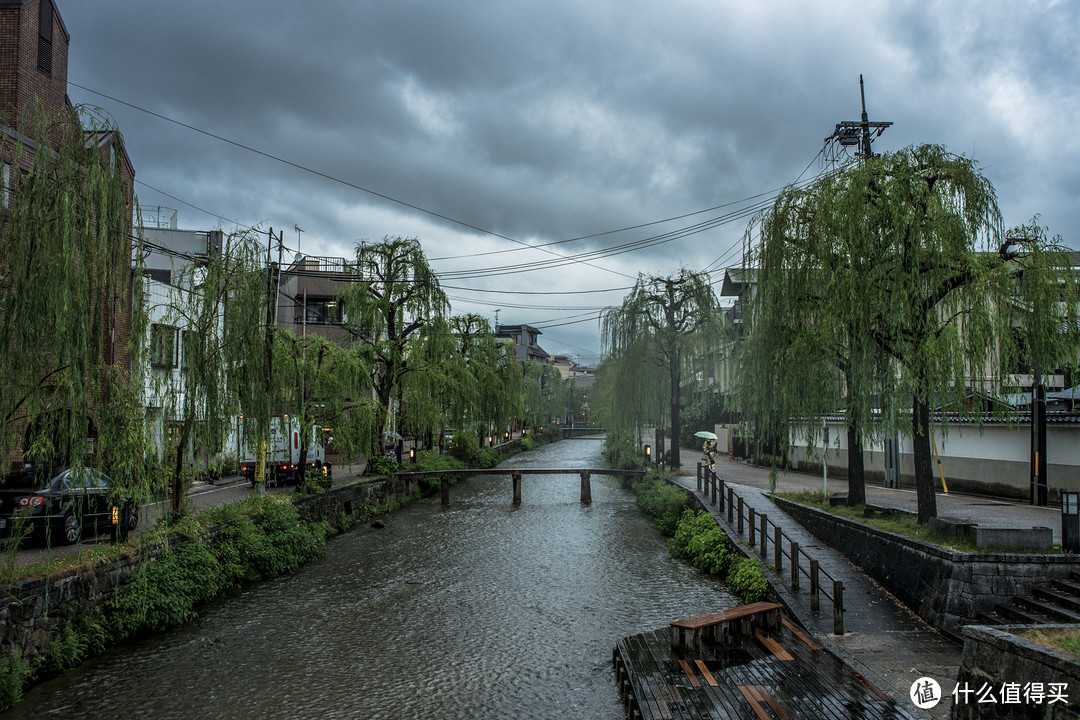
point(942, 586)
point(994, 656)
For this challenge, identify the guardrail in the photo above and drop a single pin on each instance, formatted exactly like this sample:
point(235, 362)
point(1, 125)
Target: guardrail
point(758, 527)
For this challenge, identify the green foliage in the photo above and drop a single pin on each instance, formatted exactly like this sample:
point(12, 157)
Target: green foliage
point(489, 458)
point(65, 260)
point(81, 638)
point(885, 280)
point(258, 538)
point(345, 522)
point(663, 328)
point(621, 452)
point(466, 447)
point(391, 306)
point(527, 444)
point(547, 434)
point(382, 465)
point(315, 481)
point(747, 580)
point(661, 500)
point(223, 466)
point(14, 674)
point(701, 541)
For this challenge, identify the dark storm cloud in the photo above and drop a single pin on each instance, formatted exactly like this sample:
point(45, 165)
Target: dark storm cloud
point(544, 121)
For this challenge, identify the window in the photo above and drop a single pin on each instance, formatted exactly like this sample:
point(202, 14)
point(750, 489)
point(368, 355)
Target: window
point(188, 348)
point(45, 23)
point(162, 346)
point(323, 311)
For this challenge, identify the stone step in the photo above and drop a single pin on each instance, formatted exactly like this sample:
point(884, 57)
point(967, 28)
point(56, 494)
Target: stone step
point(1057, 613)
point(1071, 587)
point(1016, 614)
point(1067, 600)
point(991, 618)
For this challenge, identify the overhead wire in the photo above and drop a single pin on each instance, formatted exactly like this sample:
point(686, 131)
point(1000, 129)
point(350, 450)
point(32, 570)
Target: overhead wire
point(327, 176)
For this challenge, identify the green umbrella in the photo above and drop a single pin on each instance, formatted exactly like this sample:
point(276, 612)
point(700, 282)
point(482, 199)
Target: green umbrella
point(705, 434)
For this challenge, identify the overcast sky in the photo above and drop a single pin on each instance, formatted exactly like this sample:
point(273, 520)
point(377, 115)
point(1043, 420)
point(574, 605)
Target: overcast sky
point(548, 121)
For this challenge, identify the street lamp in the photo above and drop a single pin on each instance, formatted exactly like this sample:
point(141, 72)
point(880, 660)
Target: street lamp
point(648, 454)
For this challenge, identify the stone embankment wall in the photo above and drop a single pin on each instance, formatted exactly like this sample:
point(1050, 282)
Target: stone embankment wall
point(994, 656)
point(35, 611)
point(942, 586)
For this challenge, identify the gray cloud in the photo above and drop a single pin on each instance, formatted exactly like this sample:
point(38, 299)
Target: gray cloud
point(544, 121)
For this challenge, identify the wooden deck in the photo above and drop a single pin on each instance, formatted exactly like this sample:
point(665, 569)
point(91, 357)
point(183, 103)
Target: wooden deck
point(777, 675)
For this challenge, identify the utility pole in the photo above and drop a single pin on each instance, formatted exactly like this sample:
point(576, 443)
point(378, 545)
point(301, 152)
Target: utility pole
point(852, 133)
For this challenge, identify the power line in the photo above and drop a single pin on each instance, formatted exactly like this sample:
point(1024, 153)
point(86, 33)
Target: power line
point(326, 176)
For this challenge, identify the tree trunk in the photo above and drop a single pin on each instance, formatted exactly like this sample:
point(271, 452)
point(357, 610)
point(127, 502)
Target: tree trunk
point(302, 465)
point(178, 468)
point(676, 425)
point(856, 482)
point(924, 468)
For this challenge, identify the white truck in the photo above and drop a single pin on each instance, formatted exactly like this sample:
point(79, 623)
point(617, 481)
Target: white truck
point(282, 450)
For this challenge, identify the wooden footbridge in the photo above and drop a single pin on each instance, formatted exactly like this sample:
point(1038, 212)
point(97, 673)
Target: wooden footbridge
point(516, 475)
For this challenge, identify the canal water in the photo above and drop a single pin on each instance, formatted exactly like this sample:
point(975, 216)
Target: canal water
point(482, 610)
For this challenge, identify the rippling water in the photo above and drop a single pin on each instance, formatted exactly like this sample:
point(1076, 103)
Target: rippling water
point(482, 610)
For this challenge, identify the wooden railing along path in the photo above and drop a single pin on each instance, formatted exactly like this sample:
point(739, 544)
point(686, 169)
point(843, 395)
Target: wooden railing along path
point(740, 515)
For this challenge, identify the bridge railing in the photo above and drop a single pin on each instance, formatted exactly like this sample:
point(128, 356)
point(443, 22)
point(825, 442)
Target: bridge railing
point(516, 475)
point(759, 529)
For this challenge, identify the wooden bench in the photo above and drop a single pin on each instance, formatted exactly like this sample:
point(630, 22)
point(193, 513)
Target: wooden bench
point(718, 626)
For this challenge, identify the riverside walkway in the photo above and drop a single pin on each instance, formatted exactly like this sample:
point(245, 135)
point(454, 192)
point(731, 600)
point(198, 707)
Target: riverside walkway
point(882, 639)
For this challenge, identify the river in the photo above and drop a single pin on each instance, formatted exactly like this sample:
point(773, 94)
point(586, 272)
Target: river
point(482, 610)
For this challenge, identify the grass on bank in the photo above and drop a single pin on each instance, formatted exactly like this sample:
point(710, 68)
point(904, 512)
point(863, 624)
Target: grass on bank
point(1063, 639)
point(899, 522)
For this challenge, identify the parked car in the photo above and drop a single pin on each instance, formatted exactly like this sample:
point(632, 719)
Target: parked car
point(64, 504)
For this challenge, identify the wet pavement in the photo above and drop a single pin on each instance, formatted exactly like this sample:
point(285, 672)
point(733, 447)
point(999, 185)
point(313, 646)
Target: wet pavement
point(894, 645)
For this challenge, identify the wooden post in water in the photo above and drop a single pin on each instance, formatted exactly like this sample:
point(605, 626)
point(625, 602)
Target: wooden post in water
point(753, 527)
point(794, 565)
point(730, 504)
point(719, 494)
point(764, 534)
point(778, 550)
point(444, 489)
point(517, 487)
point(838, 607)
point(586, 489)
point(740, 516)
point(699, 477)
point(715, 486)
point(815, 601)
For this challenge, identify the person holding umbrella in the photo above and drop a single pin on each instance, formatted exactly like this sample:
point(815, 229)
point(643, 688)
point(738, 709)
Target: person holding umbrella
point(709, 448)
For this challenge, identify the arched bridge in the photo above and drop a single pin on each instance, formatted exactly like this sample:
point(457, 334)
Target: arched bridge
point(516, 475)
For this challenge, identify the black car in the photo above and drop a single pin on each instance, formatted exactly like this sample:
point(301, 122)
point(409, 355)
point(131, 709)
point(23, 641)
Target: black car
point(64, 504)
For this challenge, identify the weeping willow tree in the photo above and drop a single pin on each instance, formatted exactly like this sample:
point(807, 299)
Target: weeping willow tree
point(543, 393)
point(65, 284)
point(199, 347)
point(396, 297)
point(324, 385)
point(666, 323)
point(890, 294)
point(807, 352)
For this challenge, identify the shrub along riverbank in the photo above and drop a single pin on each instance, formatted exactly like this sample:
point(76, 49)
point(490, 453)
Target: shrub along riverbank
point(695, 537)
